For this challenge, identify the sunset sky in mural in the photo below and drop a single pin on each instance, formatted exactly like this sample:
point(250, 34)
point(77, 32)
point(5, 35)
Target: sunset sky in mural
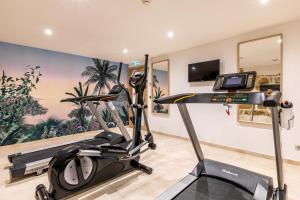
point(162, 76)
point(61, 72)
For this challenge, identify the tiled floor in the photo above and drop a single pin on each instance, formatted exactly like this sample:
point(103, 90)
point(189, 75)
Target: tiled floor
point(172, 160)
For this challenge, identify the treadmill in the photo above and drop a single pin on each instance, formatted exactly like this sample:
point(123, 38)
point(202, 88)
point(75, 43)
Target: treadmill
point(212, 180)
point(35, 162)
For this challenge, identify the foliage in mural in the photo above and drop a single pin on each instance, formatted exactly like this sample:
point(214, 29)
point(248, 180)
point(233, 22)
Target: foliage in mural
point(80, 113)
point(16, 102)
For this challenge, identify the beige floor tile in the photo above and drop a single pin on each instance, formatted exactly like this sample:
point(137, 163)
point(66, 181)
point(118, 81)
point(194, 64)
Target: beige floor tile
point(172, 160)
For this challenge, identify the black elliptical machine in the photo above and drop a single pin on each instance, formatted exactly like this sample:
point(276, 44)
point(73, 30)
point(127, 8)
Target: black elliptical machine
point(79, 167)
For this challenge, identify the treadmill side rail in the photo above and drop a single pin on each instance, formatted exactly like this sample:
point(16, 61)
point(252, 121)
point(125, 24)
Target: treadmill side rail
point(17, 171)
point(191, 130)
point(277, 147)
point(118, 120)
point(97, 115)
point(37, 166)
point(16, 156)
point(177, 188)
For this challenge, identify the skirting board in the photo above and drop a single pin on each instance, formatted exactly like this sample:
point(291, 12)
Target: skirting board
point(293, 162)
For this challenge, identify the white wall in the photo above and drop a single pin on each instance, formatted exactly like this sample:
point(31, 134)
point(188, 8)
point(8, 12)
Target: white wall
point(210, 121)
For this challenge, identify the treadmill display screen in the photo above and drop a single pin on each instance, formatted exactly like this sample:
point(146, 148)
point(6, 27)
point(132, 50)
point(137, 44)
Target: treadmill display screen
point(234, 81)
point(237, 81)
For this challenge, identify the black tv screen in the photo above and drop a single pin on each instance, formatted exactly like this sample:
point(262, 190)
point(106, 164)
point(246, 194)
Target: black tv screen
point(204, 71)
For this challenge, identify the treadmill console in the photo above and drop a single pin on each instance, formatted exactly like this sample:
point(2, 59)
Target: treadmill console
point(239, 98)
point(239, 81)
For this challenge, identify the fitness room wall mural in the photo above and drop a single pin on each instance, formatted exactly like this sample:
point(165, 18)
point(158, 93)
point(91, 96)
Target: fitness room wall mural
point(34, 81)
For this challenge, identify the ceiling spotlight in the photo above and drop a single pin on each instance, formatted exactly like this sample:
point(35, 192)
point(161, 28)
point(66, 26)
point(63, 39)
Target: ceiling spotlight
point(264, 1)
point(279, 41)
point(170, 34)
point(125, 51)
point(146, 2)
point(48, 32)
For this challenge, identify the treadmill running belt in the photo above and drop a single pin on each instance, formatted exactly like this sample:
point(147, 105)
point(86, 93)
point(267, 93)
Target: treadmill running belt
point(207, 188)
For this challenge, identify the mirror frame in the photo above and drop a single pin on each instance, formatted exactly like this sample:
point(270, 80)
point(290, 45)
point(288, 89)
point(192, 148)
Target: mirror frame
point(259, 124)
point(152, 98)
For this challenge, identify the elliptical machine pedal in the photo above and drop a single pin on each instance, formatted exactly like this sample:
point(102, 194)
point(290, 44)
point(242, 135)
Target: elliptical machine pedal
point(42, 193)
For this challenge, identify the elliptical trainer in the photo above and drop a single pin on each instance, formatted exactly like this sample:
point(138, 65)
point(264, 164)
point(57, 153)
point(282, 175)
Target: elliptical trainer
point(80, 167)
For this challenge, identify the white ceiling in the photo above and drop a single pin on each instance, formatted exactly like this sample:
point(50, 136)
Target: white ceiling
point(103, 28)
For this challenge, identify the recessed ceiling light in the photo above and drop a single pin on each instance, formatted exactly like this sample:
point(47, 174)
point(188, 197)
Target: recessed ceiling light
point(264, 1)
point(48, 32)
point(279, 41)
point(125, 51)
point(146, 2)
point(170, 34)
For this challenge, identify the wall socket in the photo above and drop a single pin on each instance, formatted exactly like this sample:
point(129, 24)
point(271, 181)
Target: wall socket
point(297, 147)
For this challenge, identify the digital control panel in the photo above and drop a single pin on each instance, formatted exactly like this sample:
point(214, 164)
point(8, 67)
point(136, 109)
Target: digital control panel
point(237, 81)
point(230, 98)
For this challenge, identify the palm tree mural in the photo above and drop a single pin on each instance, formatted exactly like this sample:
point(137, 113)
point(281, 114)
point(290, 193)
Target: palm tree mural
point(81, 112)
point(107, 117)
point(101, 74)
point(16, 102)
point(158, 94)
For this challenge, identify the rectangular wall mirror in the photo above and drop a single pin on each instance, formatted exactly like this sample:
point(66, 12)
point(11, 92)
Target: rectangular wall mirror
point(263, 55)
point(160, 86)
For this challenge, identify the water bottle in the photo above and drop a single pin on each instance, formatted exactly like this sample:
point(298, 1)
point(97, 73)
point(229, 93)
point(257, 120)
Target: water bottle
point(286, 115)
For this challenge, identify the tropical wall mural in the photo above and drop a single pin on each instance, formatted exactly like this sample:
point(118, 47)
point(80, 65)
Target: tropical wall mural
point(33, 83)
point(160, 85)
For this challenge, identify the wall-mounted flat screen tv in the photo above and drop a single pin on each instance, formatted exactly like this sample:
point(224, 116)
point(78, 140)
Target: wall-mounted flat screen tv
point(204, 71)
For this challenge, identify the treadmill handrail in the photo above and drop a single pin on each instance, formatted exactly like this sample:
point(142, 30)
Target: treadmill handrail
point(74, 99)
point(105, 98)
point(91, 98)
point(255, 98)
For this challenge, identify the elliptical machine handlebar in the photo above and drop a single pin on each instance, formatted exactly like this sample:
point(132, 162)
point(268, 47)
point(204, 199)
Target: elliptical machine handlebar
point(144, 81)
point(138, 80)
point(132, 118)
point(119, 73)
point(121, 85)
